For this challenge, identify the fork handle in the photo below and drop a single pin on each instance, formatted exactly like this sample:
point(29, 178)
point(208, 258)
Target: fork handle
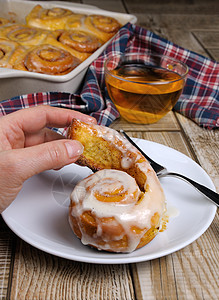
point(211, 195)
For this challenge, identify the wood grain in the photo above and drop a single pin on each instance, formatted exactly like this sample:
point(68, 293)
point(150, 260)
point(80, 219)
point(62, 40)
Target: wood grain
point(38, 275)
point(189, 7)
point(169, 122)
point(6, 259)
point(205, 146)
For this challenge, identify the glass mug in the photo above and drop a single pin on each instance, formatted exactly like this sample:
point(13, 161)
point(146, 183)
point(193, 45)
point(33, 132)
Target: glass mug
point(144, 87)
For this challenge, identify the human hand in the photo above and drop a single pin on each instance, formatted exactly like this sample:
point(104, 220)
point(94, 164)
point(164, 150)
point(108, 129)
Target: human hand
point(28, 146)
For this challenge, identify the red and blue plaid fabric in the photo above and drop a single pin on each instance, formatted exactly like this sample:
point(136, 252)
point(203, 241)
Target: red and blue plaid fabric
point(199, 100)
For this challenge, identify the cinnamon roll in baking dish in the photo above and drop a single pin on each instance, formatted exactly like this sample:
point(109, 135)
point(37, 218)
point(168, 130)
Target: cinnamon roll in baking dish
point(78, 34)
point(24, 35)
point(78, 42)
point(120, 207)
point(47, 59)
point(52, 19)
point(10, 51)
point(103, 26)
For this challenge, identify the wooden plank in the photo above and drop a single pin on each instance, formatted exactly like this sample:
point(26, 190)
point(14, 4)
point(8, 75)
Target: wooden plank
point(6, 246)
point(38, 275)
point(209, 39)
point(176, 21)
point(173, 7)
point(214, 53)
point(186, 37)
point(110, 5)
point(168, 122)
point(205, 146)
point(190, 273)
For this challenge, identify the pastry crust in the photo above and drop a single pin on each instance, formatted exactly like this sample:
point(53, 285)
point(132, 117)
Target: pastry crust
point(124, 184)
point(100, 154)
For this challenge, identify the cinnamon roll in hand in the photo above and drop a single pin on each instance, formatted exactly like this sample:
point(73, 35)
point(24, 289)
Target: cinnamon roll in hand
point(120, 207)
point(47, 59)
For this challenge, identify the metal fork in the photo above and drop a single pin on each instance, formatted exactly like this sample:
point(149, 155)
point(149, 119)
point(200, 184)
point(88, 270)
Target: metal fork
point(162, 171)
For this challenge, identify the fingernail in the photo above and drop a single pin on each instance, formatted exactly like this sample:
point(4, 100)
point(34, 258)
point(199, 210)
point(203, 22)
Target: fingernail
point(74, 148)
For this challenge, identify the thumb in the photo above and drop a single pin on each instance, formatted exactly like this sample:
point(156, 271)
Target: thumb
point(29, 161)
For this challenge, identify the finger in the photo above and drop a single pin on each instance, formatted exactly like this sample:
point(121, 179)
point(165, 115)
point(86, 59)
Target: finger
point(26, 162)
point(35, 118)
point(41, 136)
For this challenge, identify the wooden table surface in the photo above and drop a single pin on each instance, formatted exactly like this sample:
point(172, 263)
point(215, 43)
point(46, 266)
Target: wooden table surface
point(190, 273)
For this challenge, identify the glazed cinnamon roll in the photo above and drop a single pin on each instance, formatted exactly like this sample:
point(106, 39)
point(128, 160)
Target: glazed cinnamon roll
point(78, 42)
point(75, 22)
point(47, 59)
point(51, 19)
point(10, 51)
point(104, 27)
point(120, 207)
point(24, 35)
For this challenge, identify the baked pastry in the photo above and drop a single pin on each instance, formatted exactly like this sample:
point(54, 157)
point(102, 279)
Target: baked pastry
point(78, 34)
point(4, 21)
point(47, 59)
point(51, 19)
point(9, 53)
point(24, 35)
point(120, 207)
point(103, 26)
point(78, 42)
point(75, 21)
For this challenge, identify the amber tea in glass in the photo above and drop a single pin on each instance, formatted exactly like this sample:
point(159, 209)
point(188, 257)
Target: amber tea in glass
point(144, 87)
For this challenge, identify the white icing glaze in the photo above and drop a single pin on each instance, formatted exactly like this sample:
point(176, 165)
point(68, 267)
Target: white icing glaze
point(8, 49)
point(128, 213)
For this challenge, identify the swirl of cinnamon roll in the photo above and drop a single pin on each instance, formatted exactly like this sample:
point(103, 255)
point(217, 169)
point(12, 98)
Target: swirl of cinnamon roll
point(80, 40)
point(103, 26)
point(9, 53)
point(24, 35)
point(79, 43)
point(51, 19)
point(47, 59)
point(120, 207)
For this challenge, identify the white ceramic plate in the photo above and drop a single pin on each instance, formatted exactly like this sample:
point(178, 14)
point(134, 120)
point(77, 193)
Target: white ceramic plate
point(39, 215)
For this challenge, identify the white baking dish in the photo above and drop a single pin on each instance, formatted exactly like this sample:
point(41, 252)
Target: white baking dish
point(15, 82)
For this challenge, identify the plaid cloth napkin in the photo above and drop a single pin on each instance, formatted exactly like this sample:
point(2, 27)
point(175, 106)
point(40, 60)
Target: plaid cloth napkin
point(199, 100)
